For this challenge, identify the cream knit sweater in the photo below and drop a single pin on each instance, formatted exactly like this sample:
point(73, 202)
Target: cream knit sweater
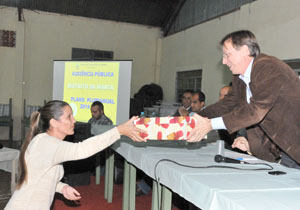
point(44, 157)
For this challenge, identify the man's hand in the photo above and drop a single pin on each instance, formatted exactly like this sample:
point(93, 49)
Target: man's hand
point(241, 143)
point(202, 127)
point(183, 112)
point(70, 193)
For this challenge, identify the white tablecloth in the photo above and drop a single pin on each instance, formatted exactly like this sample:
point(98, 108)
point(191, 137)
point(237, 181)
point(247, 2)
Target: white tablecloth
point(9, 162)
point(213, 188)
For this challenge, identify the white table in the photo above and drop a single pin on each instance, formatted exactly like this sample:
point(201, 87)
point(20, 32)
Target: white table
point(214, 188)
point(9, 162)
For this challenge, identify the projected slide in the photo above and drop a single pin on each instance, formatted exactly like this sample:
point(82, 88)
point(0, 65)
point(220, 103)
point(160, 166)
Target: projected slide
point(80, 83)
point(82, 87)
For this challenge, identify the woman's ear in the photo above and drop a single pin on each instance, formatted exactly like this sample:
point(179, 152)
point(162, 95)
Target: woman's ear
point(53, 123)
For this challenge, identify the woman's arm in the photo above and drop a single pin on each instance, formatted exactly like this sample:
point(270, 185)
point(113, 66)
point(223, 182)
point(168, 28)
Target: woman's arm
point(67, 151)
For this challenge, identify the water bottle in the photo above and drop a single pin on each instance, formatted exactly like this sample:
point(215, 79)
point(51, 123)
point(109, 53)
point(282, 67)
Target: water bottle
point(153, 114)
point(142, 115)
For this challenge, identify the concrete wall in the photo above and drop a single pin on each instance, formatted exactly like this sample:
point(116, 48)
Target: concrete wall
point(27, 70)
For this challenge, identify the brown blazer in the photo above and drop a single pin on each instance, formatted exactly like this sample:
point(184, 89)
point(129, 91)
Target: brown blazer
point(273, 115)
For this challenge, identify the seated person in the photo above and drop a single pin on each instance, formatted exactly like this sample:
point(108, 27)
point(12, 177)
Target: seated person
point(223, 134)
point(224, 91)
point(198, 103)
point(98, 116)
point(186, 102)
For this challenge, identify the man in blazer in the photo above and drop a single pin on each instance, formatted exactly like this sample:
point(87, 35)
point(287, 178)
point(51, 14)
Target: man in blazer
point(265, 99)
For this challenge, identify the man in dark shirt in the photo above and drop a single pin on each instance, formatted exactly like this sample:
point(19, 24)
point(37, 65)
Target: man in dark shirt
point(98, 116)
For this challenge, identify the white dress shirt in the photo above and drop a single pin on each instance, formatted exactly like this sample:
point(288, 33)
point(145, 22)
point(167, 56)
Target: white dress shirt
point(217, 122)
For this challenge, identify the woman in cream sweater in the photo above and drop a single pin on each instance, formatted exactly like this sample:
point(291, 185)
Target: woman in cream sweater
point(44, 151)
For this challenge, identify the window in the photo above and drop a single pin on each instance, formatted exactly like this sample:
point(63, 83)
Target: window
point(188, 80)
point(94, 55)
point(7, 38)
point(295, 65)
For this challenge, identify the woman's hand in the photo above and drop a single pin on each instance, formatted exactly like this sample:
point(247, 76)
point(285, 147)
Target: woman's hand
point(128, 129)
point(241, 143)
point(70, 193)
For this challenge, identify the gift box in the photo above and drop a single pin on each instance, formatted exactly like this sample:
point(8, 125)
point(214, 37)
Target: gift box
point(166, 128)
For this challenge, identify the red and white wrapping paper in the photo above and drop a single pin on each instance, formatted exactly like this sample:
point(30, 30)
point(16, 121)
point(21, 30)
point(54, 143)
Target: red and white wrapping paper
point(166, 128)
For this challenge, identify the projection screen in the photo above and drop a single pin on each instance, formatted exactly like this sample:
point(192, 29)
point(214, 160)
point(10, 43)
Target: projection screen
point(80, 83)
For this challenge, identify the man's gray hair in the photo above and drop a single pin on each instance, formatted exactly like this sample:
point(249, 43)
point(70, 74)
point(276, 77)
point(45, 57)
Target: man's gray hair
point(243, 37)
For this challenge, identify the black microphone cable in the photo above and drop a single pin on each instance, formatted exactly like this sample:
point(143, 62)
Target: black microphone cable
point(268, 168)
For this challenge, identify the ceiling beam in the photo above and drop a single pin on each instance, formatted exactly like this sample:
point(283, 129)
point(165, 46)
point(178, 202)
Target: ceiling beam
point(172, 18)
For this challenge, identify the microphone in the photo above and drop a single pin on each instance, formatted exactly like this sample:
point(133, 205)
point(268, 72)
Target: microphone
point(222, 159)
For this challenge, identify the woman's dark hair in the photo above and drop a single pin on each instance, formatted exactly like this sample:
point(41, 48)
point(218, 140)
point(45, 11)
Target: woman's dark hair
point(243, 37)
point(39, 122)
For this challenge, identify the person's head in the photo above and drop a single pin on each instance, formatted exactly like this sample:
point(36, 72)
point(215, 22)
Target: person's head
point(239, 48)
point(187, 98)
point(223, 92)
point(55, 118)
point(97, 109)
point(198, 101)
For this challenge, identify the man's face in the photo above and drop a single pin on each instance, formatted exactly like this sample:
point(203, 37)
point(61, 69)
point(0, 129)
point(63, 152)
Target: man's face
point(236, 59)
point(196, 104)
point(186, 100)
point(96, 112)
